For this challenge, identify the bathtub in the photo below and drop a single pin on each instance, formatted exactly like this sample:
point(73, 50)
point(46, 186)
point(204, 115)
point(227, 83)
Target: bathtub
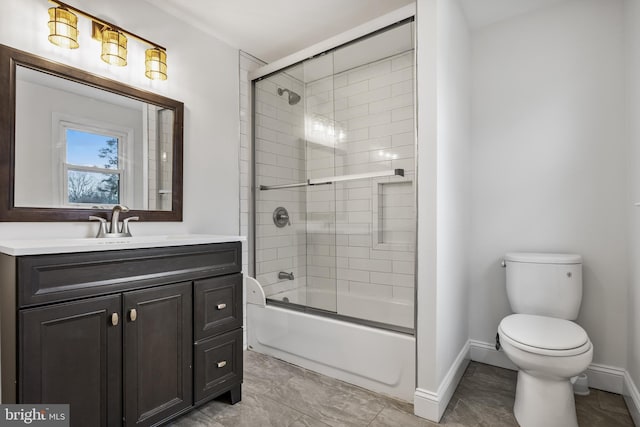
point(375, 359)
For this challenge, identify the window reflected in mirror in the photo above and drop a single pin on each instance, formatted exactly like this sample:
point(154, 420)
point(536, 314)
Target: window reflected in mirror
point(91, 148)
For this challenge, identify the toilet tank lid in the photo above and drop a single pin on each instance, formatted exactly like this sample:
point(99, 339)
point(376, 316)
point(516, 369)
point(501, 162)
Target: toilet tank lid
point(543, 258)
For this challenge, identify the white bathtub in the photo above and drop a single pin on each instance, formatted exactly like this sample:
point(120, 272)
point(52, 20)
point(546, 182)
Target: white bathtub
point(375, 359)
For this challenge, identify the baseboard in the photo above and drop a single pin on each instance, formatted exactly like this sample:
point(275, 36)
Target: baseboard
point(430, 405)
point(632, 398)
point(485, 352)
point(602, 377)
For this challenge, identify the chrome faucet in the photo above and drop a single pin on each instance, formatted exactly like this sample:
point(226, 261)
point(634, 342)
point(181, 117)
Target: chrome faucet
point(115, 216)
point(115, 230)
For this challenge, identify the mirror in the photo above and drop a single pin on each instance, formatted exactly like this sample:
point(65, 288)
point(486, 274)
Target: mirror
point(76, 144)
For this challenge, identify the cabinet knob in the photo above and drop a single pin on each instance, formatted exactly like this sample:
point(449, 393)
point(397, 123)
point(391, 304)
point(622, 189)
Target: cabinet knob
point(133, 315)
point(115, 319)
point(222, 364)
point(222, 306)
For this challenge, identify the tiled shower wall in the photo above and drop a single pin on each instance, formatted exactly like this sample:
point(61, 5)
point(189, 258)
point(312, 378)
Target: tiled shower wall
point(374, 219)
point(160, 154)
point(280, 159)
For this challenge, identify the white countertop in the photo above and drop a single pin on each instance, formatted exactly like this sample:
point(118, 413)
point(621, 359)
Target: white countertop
point(18, 247)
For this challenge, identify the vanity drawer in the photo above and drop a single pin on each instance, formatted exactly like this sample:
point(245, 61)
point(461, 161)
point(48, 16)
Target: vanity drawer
point(218, 365)
point(62, 277)
point(218, 305)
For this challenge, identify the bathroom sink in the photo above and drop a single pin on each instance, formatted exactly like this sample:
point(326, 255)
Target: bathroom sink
point(18, 247)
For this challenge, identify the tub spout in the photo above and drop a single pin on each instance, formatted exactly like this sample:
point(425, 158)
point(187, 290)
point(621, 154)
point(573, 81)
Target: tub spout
point(285, 275)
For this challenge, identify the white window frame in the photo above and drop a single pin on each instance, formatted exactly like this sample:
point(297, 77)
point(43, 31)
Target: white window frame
point(60, 124)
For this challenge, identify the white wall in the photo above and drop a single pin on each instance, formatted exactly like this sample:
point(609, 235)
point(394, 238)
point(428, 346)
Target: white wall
point(549, 170)
point(632, 28)
point(203, 73)
point(443, 201)
point(454, 185)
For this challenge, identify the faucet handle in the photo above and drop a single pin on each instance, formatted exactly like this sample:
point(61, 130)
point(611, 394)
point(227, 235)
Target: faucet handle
point(103, 225)
point(125, 224)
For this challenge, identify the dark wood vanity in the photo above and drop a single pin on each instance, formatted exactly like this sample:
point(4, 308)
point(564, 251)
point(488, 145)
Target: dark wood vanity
point(126, 337)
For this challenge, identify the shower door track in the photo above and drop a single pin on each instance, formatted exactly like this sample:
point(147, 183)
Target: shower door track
point(332, 179)
point(333, 315)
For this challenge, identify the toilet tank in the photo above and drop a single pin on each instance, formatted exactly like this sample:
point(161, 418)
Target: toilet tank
point(544, 284)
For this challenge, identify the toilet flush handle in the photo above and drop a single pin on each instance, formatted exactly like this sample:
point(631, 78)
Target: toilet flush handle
point(503, 264)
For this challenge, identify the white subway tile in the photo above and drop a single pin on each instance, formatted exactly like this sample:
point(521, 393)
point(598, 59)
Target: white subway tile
point(369, 120)
point(350, 113)
point(402, 88)
point(355, 275)
point(396, 77)
point(392, 128)
point(393, 279)
point(359, 193)
point(266, 255)
point(370, 265)
point(402, 139)
point(404, 267)
point(360, 217)
point(370, 96)
point(402, 61)
point(402, 113)
point(352, 89)
point(370, 290)
point(403, 294)
point(358, 240)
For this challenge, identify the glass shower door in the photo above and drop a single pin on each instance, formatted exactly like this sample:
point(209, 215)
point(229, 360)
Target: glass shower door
point(335, 154)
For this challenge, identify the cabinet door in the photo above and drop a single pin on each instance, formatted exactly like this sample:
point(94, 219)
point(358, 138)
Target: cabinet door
point(157, 353)
point(72, 353)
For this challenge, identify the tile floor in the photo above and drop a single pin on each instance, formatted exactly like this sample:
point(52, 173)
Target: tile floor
point(276, 393)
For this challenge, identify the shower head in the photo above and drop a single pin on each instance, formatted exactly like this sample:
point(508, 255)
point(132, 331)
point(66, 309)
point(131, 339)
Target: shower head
point(294, 98)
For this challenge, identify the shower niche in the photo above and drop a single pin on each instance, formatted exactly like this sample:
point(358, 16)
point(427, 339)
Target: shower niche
point(334, 143)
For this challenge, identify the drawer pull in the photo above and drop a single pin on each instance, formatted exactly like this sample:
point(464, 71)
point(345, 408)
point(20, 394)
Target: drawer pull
point(222, 306)
point(115, 319)
point(133, 314)
point(222, 364)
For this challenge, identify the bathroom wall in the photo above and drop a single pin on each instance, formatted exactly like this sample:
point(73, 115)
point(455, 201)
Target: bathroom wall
point(206, 83)
point(443, 202)
point(632, 38)
point(454, 186)
point(549, 161)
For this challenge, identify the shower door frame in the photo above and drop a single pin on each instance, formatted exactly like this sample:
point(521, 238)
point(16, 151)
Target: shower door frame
point(410, 12)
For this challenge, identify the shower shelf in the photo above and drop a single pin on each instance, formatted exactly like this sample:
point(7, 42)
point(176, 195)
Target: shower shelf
point(332, 179)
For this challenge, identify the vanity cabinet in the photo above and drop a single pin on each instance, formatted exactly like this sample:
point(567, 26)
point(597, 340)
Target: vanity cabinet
point(127, 338)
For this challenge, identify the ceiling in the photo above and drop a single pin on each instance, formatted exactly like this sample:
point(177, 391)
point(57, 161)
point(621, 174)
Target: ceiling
point(273, 29)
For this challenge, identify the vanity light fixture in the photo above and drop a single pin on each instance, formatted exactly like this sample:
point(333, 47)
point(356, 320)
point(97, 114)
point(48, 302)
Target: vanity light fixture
point(63, 31)
point(114, 47)
point(63, 28)
point(155, 63)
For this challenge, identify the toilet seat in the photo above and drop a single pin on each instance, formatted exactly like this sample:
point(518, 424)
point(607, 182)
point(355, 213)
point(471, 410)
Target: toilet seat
point(544, 335)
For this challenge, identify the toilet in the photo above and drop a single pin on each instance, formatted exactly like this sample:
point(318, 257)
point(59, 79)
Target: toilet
point(545, 292)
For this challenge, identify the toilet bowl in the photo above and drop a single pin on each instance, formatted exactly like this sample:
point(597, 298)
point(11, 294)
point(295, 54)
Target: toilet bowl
point(548, 352)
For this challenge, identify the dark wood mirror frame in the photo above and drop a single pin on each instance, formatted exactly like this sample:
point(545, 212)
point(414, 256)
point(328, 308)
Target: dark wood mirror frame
point(9, 59)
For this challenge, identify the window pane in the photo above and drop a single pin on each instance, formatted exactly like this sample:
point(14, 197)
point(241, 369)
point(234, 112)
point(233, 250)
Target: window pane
point(92, 149)
point(94, 187)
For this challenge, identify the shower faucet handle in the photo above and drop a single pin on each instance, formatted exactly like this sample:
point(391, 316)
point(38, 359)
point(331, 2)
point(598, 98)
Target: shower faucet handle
point(281, 217)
